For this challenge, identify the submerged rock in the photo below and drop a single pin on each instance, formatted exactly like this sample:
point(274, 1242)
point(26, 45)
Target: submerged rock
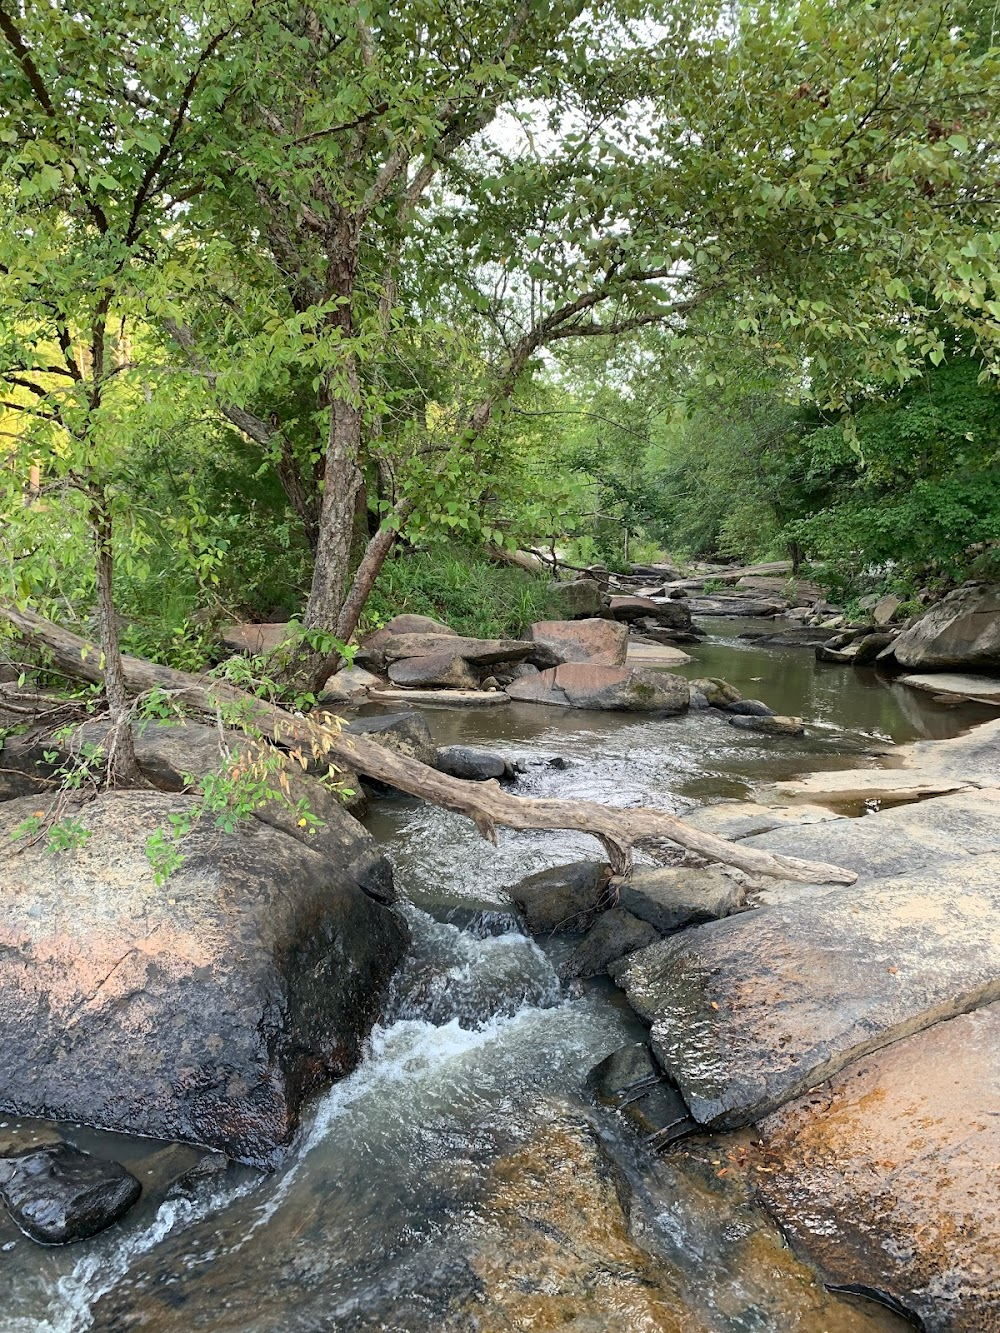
point(614, 935)
point(564, 898)
point(769, 724)
point(204, 1009)
point(58, 1194)
point(887, 1178)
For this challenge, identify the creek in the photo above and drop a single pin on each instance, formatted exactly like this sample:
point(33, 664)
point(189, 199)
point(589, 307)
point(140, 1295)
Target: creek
point(402, 1204)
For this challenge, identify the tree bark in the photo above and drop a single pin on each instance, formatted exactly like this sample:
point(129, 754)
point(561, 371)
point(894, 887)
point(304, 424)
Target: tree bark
point(486, 803)
point(121, 761)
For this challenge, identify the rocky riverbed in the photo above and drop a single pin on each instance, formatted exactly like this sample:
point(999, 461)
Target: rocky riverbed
point(470, 1174)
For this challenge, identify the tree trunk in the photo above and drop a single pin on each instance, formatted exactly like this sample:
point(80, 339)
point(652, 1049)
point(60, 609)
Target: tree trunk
point(121, 762)
point(483, 802)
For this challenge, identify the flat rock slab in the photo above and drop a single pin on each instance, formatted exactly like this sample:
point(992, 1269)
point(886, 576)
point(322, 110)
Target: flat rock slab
point(440, 698)
point(749, 1012)
point(619, 689)
point(602, 641)
point(865, 784)
point(484, 652)
point(887, 1176)
point(656, 655)
point(743, 819)
point(952, 685)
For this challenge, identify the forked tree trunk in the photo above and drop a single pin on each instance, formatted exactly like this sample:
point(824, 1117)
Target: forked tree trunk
point(483, 802)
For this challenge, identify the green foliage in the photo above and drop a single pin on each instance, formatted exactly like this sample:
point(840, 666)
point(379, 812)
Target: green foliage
point(463, 589)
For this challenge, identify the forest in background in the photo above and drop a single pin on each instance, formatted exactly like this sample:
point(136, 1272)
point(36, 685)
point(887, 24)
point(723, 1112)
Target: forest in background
point(314, 311)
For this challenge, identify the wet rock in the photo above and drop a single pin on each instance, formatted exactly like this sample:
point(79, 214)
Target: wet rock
point(743, 819)
point(886, 1177)
point(770, 725)
point(204, 1009)
point(404, 733)
point(672, 614)
point(750, 1012)
point(622, 689)
point(563, 898)
point(632, 1082)
point(349, 685)
point(411, 624)
point(835, 656)
point(441, 669)
point(465, 761)
point(963, 630)
point(58, 1194)
point(748, 708)
point(439, 698)
point(676, 896)
point(615, 934)
point(578, 600)
point(719, 693)
point(596, 640)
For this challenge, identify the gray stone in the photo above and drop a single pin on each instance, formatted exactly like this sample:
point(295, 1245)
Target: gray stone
point(577, 600)
point(957, 687)
point(465, 761)
point(750, 1012)
point(614, 935)
point(479, 652)
point(719, 693)
point(349, 685)
point(632, 1082)
point(563, 898)
point(204, 1009)
point(963, 630)
point(886, 1178)
point(769, 725)
point(671, 614)
point(885, 609)
point(749, 708)
point(675, 896)
point(404, 733)
point(58, 1194)
point(442, 669)
point(866, 650)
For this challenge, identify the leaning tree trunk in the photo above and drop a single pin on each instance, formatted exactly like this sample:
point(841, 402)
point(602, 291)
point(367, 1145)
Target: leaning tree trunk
point(486, 803)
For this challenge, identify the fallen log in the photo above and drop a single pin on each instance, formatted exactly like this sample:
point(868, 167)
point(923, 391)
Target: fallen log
point(486, 803)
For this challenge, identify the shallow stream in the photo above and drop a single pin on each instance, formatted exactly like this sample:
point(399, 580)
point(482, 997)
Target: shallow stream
point(422, 1190)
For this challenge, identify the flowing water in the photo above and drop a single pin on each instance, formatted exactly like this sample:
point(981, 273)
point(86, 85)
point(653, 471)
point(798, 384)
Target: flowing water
point(459, 1179)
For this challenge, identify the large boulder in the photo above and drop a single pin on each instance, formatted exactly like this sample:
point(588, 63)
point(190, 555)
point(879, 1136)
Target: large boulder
point(348, 686)
point(887, 1177)
point(578, 600)
point(481, 652)
point(441, 669)
point(963, 630)
point(596, 640)
point(472, 764)
point(176, 756)
point(203, 1009)
point(56, 1193)
point(620, 689)
point(673, 614)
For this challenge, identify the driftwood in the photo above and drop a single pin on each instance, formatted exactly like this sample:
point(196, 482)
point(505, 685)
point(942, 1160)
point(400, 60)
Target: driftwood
point(486, 803)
